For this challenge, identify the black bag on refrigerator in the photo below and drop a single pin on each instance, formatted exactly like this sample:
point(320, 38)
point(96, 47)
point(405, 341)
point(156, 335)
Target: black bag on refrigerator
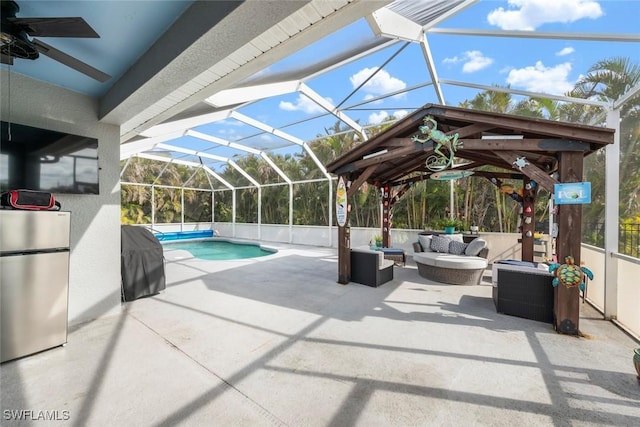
point(29, 200)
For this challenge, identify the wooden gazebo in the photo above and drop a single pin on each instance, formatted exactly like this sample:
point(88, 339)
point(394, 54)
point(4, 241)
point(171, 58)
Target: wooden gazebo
point(424, 143)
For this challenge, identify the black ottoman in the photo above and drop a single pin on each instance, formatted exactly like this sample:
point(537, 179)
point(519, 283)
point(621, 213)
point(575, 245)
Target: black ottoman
point(524, 292)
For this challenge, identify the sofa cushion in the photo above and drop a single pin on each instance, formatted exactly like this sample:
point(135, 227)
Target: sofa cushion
point(475, 246)
point(385, 264)
point(457, 248)
point(425, 242)
point(460, 262)
point(440, 244)
point(426, 258)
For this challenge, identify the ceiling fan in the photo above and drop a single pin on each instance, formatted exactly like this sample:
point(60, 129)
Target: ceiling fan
point(14, 42)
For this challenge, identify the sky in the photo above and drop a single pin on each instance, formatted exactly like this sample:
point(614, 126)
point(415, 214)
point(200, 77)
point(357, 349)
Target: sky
point(536, 65)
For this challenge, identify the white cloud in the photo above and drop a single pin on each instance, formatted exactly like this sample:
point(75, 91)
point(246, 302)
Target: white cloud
point(476, 61)
point(377, 118)
point(302, 104)
point(398, 114)
point(565, 51)
point(530, 14)
point(451, 60)
point(369, 96)
point(473, 60)
point(380, 84)
point(538, 78)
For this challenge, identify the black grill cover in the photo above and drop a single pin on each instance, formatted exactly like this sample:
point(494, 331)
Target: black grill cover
point(142, 263)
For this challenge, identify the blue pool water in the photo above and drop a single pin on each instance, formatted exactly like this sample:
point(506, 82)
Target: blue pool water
point(179, 235)
point(219, 250)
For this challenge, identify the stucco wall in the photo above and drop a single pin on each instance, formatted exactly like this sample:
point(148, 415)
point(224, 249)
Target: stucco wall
point(594, 259)
point(94, 288)
point(629, 293)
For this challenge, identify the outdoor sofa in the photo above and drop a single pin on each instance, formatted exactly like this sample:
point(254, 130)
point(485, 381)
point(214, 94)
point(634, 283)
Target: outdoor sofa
point(447, 259)
point(369, 267)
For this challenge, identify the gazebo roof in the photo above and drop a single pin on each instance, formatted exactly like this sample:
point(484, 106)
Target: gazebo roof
point(392, 157)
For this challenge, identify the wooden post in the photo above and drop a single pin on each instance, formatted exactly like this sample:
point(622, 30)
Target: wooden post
point(528, 220)
point(386, 215)
point(344, 231)
point(567, 301)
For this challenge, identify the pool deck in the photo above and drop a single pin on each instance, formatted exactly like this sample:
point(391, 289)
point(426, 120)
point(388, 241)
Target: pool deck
point(276, 341)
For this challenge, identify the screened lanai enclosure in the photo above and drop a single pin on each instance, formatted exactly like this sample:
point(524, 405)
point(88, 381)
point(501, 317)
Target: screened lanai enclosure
point(296, 98)
point(243, 148)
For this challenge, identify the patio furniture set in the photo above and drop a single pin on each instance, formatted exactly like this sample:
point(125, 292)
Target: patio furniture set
point(520, 288)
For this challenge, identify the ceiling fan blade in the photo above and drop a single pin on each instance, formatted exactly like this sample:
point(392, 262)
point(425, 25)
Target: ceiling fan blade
point(56, 27)
point(70, 61)
point(6, 59)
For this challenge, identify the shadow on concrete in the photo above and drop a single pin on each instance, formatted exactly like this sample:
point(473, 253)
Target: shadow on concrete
point(303, 283)
point(303, 286)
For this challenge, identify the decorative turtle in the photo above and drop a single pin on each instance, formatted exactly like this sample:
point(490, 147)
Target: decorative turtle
point(570, 274)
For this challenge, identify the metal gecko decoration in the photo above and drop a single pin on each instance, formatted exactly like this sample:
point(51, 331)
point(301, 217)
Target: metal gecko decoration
point(438, 161)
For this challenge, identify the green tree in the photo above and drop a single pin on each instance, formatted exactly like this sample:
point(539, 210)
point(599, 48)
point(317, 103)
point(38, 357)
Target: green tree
point(608, 80)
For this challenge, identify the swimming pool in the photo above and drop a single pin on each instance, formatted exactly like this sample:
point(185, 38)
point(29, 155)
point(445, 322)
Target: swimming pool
point(220, 249)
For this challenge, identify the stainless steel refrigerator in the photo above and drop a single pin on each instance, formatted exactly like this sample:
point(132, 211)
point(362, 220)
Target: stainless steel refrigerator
point(34, 285)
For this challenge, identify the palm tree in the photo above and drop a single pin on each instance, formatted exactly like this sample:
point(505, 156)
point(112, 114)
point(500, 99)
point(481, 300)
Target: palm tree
point(608, 80)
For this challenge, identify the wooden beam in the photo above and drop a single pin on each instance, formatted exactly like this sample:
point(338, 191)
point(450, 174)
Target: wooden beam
point(361, 180)
point(528, 214)
point(523, 124)
point(526, 144)
point(344, 238)
point(568, 242)
point(412, 121)
point(504, 175)
point(481, 157)
point(532, 171)
point(386, 215)
point(407, 168)
point(472, 129)
point(463, 132)
point(479, 174)
point(391, 155)
point(399, 142)
point(410, 181)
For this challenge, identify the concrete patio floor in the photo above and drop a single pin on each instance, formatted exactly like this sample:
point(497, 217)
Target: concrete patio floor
point(276, 341)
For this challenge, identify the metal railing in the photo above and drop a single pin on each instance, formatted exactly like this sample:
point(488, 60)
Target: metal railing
point(628, 237)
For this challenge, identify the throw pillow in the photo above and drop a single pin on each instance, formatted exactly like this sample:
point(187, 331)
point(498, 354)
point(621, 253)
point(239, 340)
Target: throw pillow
point(457, 248)
point(425, 242)
point(440, 244)
point(475, 247)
